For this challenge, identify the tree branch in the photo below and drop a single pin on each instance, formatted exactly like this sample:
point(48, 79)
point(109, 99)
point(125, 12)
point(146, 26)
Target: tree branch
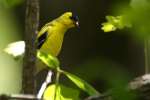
point(18, 97)
point(140, 86)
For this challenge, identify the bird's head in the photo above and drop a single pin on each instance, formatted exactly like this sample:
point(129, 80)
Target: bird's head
point(69, 20)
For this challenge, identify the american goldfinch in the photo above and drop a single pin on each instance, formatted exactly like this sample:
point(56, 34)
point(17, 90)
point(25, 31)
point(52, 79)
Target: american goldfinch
point(50, 37)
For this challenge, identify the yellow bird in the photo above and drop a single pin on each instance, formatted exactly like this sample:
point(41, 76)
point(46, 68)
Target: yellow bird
point(50, 37)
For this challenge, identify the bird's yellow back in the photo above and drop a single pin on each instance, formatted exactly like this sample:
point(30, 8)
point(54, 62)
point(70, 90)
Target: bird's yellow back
point(50, 37)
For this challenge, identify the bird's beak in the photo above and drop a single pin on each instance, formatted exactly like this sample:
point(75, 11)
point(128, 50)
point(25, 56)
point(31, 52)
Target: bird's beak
point(76, 20)
point(77, 23)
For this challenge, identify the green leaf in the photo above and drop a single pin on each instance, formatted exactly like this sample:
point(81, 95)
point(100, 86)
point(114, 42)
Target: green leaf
point(113, 23)
point(16, 49)
point(48, 59)
point(81, 84)
point(108, 27)
point(62, 93)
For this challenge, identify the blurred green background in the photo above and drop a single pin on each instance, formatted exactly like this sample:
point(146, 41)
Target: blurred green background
point(103, 59)
point(10, 70)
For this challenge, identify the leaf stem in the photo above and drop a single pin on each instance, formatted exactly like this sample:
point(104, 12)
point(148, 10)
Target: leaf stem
point(57, 81)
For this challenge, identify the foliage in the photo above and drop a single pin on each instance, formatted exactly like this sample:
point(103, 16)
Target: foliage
point(136, 17)
point(62, 93)
point(48, 59)
point(56, 88)
point(81, 84)
point(114, 23)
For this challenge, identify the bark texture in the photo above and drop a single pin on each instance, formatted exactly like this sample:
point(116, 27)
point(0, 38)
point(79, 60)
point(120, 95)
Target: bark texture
point(31, 27)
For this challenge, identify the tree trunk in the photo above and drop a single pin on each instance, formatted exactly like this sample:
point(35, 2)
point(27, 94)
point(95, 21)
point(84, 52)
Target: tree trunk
point(31, 27)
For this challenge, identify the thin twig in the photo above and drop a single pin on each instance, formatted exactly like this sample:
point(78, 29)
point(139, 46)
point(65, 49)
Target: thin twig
point(57, 82)
point(44, 85)
point(99, 97)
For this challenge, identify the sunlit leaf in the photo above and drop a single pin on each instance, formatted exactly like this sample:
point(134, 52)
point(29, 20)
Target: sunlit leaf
point(113, 23)
point(82, 84)
point(15, 49)
point(108, 27)
point(48, 59)
point(62, 93)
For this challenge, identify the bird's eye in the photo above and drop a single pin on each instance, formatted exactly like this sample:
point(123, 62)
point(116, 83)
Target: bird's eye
point(74, 18)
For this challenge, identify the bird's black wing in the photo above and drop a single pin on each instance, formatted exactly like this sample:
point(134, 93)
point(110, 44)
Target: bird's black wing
point(41, 39)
